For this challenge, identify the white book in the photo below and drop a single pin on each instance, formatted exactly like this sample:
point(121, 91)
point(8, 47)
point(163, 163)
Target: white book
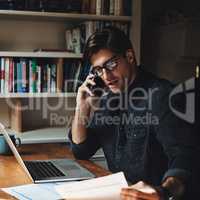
point(7, 63)
point(23, 63)
point(39, 79)
point(98, 7)
point(30, 77)
point(112, 7)
point(76, 40)
point(68, 40)
point(89, 28)
point(3, 75)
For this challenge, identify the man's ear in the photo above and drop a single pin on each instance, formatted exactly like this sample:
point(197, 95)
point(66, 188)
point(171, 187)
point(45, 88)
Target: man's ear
point(130, 55)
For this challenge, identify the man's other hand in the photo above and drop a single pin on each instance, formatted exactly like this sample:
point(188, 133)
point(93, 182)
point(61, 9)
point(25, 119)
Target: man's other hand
point(140, 191)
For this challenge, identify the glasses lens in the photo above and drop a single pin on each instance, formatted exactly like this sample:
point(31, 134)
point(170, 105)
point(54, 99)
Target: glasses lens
point(97, 70)
point(111, 65)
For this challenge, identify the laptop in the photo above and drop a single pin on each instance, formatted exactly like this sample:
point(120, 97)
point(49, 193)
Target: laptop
point(42, 171)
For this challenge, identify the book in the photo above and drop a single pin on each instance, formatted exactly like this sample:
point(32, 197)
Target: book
point(44, 78)
point(76, 35)
point(7, 66)
point(92, 6)
point(98, 7)
point(59, 78)
point(106, 7)
point(111, 8)
point(19, 77)
point(118, 7)
point(48, 78)
point(24, 76)
point(68, 40)
point(11, 71)
point(53, 78)
point(86, 6)
point(34, 76)
point(2, 75)
point(51, 50)
point(15, 76)
point(38, 79)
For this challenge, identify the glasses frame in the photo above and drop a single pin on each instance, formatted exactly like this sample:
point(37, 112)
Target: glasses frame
point(106, 65)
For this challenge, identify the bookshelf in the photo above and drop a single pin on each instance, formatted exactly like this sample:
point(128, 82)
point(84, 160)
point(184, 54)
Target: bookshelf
point(39, 95)
point(52, 16)
point(26, 54)
point(24, 31)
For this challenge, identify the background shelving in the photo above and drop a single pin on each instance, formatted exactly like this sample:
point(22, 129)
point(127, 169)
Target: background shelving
point(24, 31)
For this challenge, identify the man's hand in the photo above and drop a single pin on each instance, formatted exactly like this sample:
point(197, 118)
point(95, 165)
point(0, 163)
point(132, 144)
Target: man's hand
point(140, 191)
point(86, 103)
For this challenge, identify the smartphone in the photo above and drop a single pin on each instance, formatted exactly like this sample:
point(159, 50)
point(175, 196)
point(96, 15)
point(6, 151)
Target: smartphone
point(98, 88)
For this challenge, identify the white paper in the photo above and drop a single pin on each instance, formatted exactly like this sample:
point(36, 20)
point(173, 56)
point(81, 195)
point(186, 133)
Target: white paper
point(103, 188)
point(34, 191)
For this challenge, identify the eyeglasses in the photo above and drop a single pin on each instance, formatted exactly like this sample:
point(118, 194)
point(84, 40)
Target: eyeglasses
point(109, 65)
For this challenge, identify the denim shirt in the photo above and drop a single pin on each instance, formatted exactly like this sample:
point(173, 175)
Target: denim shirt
point(150, 145)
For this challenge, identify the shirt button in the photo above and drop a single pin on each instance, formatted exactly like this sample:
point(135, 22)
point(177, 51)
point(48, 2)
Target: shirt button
point(121, 128)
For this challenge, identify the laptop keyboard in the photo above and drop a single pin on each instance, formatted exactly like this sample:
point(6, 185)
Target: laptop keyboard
point(42, 169)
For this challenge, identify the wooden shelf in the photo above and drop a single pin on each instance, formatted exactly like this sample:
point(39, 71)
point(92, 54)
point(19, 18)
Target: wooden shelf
point(14, 14)
point(38, 95)
point(39, 54)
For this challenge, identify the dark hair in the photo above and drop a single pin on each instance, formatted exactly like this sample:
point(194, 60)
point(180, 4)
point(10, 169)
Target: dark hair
point(110, 38)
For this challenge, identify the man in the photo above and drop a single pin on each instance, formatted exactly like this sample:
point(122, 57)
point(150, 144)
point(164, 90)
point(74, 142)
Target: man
point(132, 122)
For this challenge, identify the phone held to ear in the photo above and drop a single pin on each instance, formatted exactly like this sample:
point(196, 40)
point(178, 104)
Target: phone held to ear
point(98, 88)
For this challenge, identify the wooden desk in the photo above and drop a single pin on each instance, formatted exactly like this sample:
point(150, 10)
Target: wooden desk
point(11, 174)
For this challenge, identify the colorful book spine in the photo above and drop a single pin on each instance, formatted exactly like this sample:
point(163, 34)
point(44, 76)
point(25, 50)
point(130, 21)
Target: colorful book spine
point(44, 78)
point(112, 7)
point(30, 77)
point(3, 75)
point(11, 76)
point(98, 7)
point(19, 77)
point(39, 79)
point(7, 66)
point(24, 83)
point(15, 77)
point(34, 75)
point(48, 78)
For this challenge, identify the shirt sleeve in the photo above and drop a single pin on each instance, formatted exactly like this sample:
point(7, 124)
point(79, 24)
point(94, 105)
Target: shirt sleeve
point(175, 135)
point(87, 148)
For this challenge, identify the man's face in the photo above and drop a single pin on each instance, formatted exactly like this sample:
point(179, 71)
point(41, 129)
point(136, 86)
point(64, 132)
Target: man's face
point(118, 78)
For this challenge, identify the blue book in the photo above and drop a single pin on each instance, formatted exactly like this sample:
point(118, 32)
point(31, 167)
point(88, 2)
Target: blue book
point(19, 77)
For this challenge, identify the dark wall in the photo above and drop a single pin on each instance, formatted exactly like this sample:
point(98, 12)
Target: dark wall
point(158, 50)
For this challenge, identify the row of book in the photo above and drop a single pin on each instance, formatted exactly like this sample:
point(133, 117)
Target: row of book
point(43, 5)
point(26, 75)
point(23, 75)
point(74, 73)
point(76, 37)
point(107, 7)
point(99, 7)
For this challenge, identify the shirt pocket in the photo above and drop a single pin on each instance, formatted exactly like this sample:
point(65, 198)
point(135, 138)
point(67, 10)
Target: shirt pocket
point(137, 139)
point(136, 132)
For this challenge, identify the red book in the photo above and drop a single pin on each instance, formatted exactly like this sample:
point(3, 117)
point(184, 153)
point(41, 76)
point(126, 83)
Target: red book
point(11, 72)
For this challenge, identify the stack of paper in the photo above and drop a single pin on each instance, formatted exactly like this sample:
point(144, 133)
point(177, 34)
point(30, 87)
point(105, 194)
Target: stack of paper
point(104, 188)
